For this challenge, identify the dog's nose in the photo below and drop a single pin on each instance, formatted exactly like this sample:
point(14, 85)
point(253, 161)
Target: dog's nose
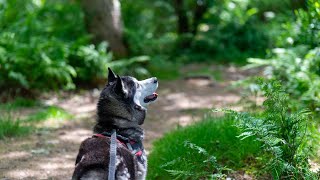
point(155, 80)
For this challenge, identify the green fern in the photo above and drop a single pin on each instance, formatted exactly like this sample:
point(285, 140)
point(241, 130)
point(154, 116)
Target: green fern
point(282, 133)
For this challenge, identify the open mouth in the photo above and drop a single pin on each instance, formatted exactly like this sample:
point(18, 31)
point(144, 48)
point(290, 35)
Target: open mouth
point(150, 98)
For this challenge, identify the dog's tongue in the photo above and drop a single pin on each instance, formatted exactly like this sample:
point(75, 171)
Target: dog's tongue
point(150, 97)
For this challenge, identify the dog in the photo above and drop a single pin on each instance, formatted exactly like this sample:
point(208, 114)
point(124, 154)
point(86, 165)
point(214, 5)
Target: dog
point(121, 107)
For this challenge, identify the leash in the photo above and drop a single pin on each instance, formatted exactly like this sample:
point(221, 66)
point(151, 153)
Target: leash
point(135, 147)
point(113, 155)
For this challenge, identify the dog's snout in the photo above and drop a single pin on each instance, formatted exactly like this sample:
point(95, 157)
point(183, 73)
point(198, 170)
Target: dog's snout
point(155, 80)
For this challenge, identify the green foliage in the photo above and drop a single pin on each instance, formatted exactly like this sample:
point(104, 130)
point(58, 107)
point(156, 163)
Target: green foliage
point(232, 31)
point(26, 53)
point(197, 151)
point(149, 26)
point(299, 72)
point(284, 134)
point(303, 31)
point(298, 64)
point(308, 25)
point(162, 68)
point(150, 29)
point(45, 46)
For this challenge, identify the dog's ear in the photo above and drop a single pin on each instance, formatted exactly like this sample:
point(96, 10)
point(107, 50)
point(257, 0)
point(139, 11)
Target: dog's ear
point(119, 88)
point(111, 76)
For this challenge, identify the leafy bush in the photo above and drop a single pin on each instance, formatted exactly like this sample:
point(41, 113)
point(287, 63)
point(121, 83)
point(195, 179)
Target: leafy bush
point(234, 30)
point(283, 134)
point(45, 46)
point(233, 27)
point(307, 25)
point(299, 72)
point(230, 29)
point(298, 63)
point(203, 150)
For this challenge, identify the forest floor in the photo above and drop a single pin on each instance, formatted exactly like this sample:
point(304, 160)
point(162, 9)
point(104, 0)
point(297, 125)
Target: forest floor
point(50, 153)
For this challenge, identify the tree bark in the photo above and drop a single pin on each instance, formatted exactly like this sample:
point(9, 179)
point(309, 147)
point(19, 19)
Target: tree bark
point(103, 21)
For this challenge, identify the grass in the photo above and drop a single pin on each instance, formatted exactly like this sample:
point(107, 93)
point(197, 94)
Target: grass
point(12, 125)
point(216, 136)
point(19, 102)
point(47, 113)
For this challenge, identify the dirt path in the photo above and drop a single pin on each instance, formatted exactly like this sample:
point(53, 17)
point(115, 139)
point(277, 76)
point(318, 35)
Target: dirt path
point(50, 154)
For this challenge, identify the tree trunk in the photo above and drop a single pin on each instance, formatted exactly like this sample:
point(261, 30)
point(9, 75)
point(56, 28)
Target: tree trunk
point(103, 21)
point(186, 31)
point(200, 9)
point(183, 24)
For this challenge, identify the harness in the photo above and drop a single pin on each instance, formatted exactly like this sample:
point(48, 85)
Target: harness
point(135, 147)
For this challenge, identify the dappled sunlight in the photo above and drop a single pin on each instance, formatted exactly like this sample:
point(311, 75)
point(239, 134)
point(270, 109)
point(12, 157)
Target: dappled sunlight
point(56, 163)
point(76, 135)
point(80, 106)
point(184, 102)
point(46, 157)
point(200, 82)
point(43, 168)
point(15, 155)
point(315, 167)
point(45, 154)
point(185, 120)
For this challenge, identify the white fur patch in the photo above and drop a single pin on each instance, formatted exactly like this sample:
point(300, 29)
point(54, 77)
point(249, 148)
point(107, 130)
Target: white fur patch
point(145, 88)
point(118, 160)
point(123, 175)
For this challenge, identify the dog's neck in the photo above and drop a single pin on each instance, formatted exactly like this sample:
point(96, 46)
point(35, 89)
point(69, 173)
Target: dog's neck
point(135, 134)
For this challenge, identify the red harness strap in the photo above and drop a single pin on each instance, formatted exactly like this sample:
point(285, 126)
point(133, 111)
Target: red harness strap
point(138, 153)
point(99, 135)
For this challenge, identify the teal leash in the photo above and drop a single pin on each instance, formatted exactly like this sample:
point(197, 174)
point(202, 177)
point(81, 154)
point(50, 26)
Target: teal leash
point(113, 155)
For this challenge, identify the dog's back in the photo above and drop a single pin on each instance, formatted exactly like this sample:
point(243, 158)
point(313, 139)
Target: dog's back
point(93, 160)
point(122, 107)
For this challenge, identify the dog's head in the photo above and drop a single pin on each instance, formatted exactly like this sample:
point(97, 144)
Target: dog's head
point(124, 100)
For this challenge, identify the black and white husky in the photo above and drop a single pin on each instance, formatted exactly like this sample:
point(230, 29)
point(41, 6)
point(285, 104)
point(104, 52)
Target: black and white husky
point(122, 107)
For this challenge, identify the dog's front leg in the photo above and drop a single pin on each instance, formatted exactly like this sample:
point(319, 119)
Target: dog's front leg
point(141, 167)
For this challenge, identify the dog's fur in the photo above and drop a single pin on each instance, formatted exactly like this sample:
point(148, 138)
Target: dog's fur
point(122, 106)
